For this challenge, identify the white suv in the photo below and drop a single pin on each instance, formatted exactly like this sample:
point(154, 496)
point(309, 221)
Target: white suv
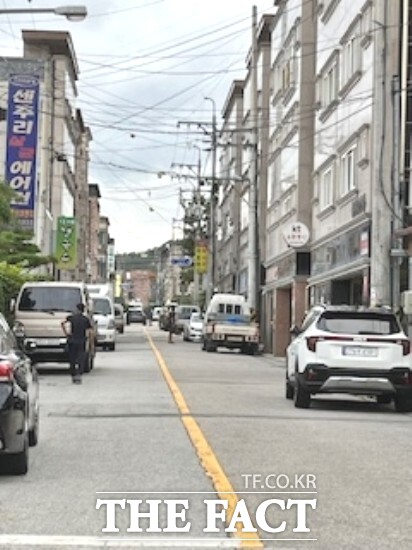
point(350, 350)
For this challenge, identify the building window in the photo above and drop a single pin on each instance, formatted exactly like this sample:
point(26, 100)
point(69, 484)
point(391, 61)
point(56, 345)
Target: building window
point(278, 77)
point(329, 88)
point(366, 32)
point(244, 211)
point(286, 205)
point(347, 167)
point(363, 149)
point(351, 54)
point(289, 71)
point(326, 188)
point(348, 60)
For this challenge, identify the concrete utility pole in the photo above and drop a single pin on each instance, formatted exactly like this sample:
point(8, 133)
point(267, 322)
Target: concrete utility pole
point(382, 133)
point(198, 227)
point(197, 215)
point(253, 278)
point(213, 200)
point(397, 251)
point(212, 214)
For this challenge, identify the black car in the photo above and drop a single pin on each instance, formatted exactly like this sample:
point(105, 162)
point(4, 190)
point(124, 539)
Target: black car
point(19, 404)
point(136, 315)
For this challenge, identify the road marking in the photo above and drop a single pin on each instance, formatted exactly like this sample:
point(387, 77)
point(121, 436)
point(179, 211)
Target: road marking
point(205, 452)
point(55, 541)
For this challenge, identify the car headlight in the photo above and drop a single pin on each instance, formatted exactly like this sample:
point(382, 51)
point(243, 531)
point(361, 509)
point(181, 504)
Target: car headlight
point(18, 329)
point(111, 324)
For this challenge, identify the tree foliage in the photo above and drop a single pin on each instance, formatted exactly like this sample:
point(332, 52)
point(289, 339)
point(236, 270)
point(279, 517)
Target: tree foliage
point(16, 246)
point(18, 254)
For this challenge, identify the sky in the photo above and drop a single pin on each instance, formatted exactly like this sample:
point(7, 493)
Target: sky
point(146, 67)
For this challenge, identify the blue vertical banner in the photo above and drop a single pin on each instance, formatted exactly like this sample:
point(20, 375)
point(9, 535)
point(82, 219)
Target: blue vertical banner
point(21, 149)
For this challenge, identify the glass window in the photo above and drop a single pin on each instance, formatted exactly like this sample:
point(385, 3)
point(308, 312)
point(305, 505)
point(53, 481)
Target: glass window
point(244, 210)
point(330, 89)
point(101, 306)
point(358, 323)
point(348, 171)
point(351, 56)
point(326, 189)
point(48, 298)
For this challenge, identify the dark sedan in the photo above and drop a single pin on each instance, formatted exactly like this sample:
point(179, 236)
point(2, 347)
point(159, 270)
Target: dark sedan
point(136, 315)
point(19, 404)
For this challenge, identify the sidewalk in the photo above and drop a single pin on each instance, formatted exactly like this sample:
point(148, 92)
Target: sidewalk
point(279, 362)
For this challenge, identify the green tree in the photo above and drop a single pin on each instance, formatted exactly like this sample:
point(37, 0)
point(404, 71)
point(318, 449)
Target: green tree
point(17, 253)
point(16, 246)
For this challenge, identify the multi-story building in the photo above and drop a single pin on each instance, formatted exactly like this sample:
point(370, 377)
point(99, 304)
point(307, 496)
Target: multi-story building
point(290, 168)
point(354, 187)
point(52, 139)
point(142, 285)
point(102, 256)
point(335, 190)
point(231, 257)
point(81, 203)
point(61, 135)
point(93, 234)
point(245, 139)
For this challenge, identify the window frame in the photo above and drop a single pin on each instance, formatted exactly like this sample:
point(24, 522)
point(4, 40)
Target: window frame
point(326, 199)
point(348, 184)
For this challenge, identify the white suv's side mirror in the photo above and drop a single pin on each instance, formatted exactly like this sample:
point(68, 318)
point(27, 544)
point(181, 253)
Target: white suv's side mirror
point(295, 331)
point(12, 305)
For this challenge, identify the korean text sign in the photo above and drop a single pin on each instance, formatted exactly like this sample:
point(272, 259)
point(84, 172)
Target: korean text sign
point(21, 149)
point(66, 243)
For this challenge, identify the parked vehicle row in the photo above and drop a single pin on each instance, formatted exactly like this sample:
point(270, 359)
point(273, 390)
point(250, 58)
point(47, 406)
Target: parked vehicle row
point(19, 403)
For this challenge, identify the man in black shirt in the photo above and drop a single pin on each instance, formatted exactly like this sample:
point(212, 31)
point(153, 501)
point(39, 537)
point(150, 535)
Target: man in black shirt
point(80, 331)
point(172, 320)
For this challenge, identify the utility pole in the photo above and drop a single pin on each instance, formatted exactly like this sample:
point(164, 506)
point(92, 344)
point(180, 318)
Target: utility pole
point(212, 212)
point(198, 227)
point(196, 213)
point(397, 251)
point(213, 201)
point(253, 279)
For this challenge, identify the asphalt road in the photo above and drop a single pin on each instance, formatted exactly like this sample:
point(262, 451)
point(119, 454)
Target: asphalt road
point(122, 432)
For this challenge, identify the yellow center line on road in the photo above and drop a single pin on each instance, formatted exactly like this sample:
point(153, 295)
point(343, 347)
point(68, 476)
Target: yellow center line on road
point(205, 453)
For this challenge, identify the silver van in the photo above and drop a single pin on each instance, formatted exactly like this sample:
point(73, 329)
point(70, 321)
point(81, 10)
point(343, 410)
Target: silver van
point(39, 311)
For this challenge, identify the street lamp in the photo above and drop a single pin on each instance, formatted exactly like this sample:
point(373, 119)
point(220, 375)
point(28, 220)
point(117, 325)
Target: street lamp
point(72, 13)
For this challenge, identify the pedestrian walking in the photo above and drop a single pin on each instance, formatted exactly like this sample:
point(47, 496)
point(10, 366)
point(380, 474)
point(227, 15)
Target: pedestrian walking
point(78, 331)
point(172, 319)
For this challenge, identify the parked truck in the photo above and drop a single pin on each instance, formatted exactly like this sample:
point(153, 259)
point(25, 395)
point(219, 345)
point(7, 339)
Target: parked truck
point(228, 324)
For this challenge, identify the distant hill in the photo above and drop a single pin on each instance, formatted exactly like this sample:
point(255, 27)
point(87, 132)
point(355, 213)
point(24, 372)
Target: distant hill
point(147, 260)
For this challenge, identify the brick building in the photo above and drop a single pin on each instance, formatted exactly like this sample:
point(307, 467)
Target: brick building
point(143, 285)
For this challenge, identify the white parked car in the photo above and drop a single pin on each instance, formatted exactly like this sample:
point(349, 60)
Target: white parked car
point(104, 317)
point(350, 350)
point(192, 331)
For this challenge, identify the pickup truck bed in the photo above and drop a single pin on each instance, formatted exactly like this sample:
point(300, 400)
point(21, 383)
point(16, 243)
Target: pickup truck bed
point(232, 334)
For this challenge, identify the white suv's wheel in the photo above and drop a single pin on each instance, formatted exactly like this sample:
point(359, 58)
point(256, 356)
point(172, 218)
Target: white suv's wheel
point(301, 397)
point(288, 388)
point(403, 403)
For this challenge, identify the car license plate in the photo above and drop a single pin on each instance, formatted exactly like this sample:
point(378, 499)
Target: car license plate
point(354, 351)
point(235, 338)
point(48, 342)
